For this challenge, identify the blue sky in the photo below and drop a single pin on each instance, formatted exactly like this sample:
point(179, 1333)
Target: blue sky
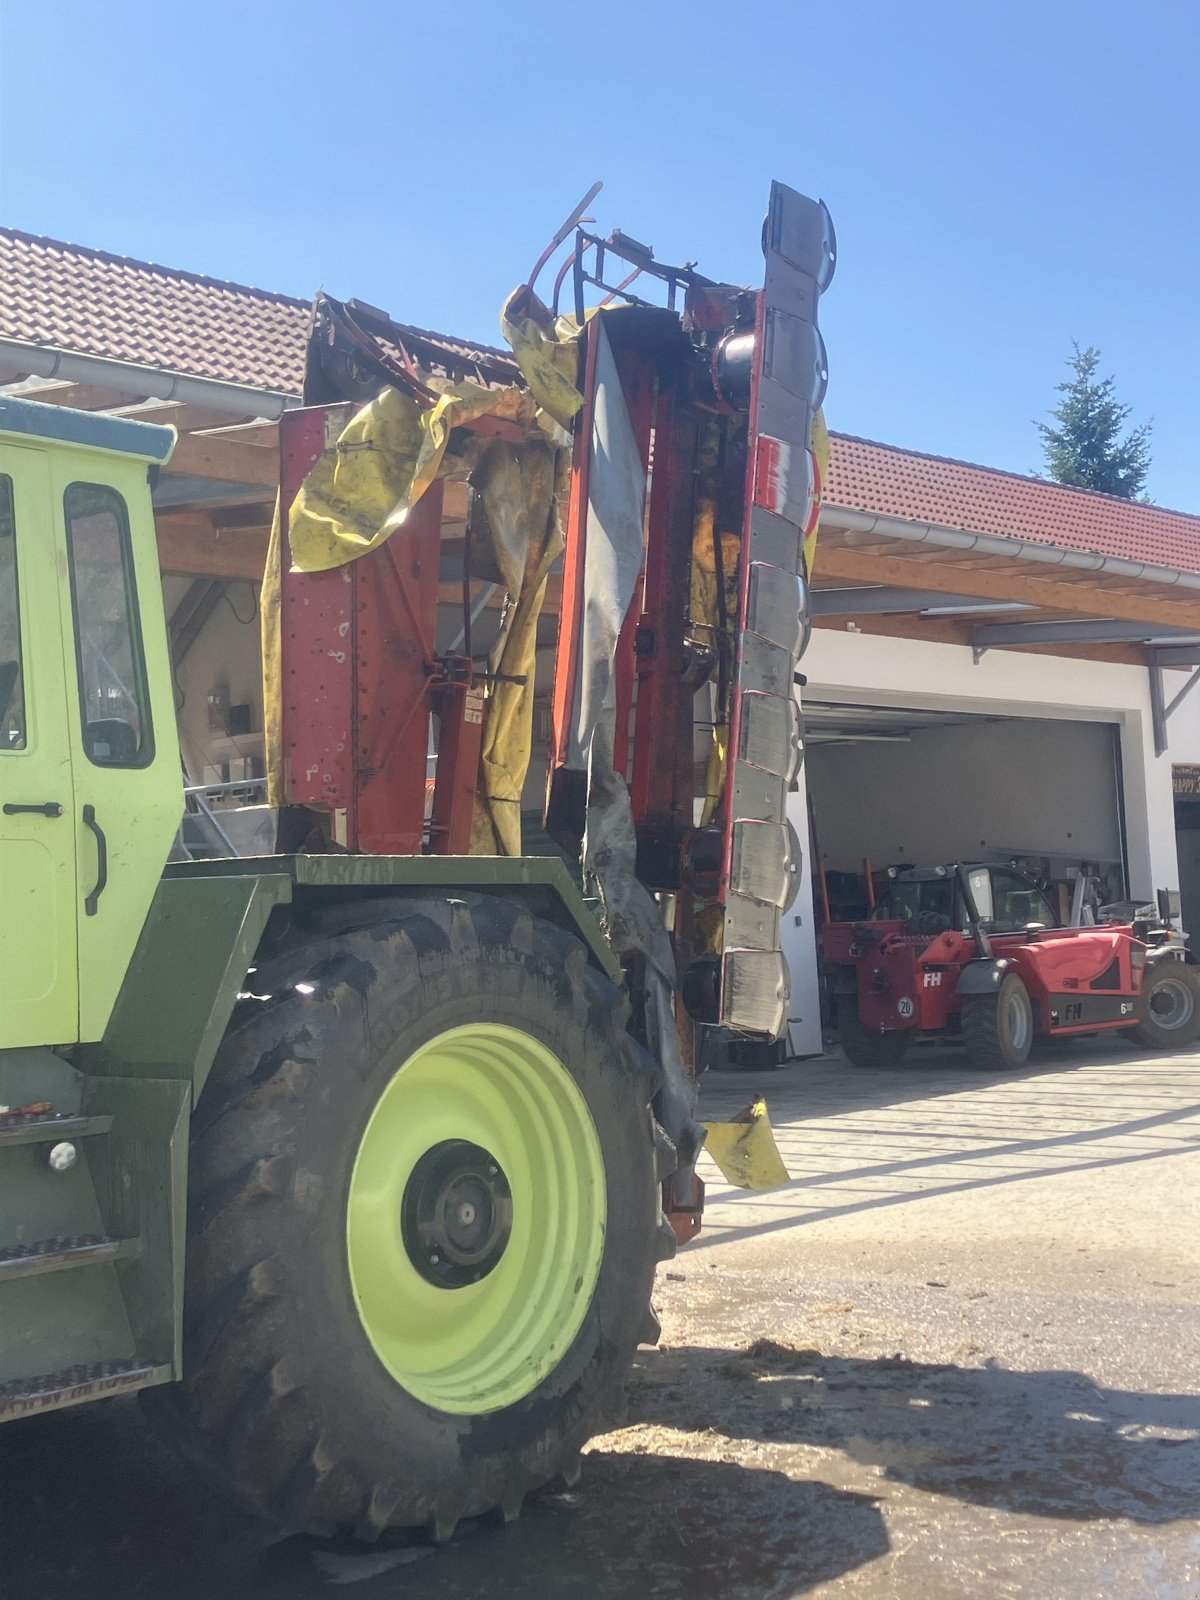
point(1004, 177)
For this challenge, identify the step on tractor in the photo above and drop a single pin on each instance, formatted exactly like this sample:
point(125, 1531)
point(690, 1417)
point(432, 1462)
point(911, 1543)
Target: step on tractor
point(359, 1156)
point(972, 952)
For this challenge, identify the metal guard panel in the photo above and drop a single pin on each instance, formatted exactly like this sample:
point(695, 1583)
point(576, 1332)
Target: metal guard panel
point(762, 855)
point(755, 990)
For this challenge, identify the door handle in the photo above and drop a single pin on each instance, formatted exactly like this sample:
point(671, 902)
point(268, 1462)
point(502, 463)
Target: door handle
point(48, 808)
point(89, 821)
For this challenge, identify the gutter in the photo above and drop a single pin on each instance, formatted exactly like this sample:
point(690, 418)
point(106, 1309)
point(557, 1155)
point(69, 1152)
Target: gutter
point(991, 544)
point(151, 383)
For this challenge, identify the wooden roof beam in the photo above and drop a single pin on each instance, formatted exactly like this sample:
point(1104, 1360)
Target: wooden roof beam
point(79, 396)
point(1081, 597)
point(948, 630)
point(179, 414)
point(262, 431)
point(189, 545)
point(200, 456)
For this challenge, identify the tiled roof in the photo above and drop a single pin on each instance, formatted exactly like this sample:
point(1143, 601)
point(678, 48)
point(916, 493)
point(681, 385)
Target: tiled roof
point(92, 303)
point(882, 480)
point(88, 301)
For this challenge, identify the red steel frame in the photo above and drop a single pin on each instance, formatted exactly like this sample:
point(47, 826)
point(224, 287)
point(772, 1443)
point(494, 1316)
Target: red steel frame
point(566, 660)
point(650, 653)
point(359, 643)
point(638, 383)
point(662, 782)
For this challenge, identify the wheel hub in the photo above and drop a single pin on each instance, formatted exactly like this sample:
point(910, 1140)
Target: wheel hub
point(480, 1170)
point(456, 1217)
point(1171, 1004)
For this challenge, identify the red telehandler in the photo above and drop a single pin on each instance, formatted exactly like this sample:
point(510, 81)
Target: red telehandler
point(973, 951)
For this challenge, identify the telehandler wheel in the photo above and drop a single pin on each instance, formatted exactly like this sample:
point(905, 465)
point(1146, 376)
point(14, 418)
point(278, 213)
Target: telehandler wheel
point(863, 1046)
point(1169, 1007)
point(997, 1028)
point(424, 1220)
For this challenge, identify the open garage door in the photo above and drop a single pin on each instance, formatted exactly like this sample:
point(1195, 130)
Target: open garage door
point(890, 786)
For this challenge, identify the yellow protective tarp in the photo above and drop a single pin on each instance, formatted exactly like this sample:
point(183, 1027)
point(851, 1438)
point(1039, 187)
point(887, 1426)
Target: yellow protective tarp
point(358, 493)
point(745, 1150)
point(362, 488)
point(547, 353)
point(515, 517)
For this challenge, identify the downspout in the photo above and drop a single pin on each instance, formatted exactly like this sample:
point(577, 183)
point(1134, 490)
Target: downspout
point(150, 383)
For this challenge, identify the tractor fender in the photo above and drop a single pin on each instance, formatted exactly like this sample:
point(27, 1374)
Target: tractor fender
point(983, 975)
point(1170, 952)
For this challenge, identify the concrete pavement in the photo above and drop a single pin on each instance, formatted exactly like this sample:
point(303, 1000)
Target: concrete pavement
point(956, 1356)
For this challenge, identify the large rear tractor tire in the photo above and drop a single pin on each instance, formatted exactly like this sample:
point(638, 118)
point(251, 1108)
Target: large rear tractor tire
point(863, 1046)
point(423, 1220)
point(1169, 1007)
point(998, 1028)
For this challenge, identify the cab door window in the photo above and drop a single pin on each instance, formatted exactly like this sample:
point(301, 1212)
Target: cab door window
point(1018, 903)
point(108, 641)
point(980, 880)
point(12, 684)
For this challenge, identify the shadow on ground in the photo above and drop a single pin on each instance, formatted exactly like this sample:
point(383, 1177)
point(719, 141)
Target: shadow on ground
point(94, 1506)
point(975, 1130)
point(932, 1068)
point(1048, 1444)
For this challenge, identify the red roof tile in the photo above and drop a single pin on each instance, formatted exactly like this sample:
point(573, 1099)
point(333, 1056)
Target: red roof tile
point(88, 301)
point(880, 479)
point(92, 303)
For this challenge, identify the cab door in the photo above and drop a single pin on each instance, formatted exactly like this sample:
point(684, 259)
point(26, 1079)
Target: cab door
point(128, 787)
point(39, 983)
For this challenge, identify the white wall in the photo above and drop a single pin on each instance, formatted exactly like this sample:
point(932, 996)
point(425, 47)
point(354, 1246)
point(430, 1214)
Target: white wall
point(912, 673)
point(968, 790)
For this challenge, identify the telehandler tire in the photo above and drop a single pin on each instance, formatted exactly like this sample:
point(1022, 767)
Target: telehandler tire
point(423, 1220)
point(863, 1046)
point(997, 1028)
point(1169, 1006)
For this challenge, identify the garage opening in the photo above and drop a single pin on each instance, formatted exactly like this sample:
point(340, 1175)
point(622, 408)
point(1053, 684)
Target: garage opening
point(893, 787)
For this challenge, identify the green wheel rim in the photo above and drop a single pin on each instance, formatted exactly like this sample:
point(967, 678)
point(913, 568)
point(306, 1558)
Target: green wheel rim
point(477, 1346)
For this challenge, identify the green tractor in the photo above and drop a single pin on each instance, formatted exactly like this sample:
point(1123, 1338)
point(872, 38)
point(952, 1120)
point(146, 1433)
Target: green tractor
point(360, 1163)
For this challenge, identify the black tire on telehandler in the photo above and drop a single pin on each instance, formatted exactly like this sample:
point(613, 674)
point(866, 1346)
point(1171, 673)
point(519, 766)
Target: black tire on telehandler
point(867, 1047)
point(998, 1028)
point(1169, 1006)
point(304, 1344)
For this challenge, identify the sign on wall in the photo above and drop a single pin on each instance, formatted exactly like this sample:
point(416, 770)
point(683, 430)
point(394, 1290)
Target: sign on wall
point(1185, 782)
